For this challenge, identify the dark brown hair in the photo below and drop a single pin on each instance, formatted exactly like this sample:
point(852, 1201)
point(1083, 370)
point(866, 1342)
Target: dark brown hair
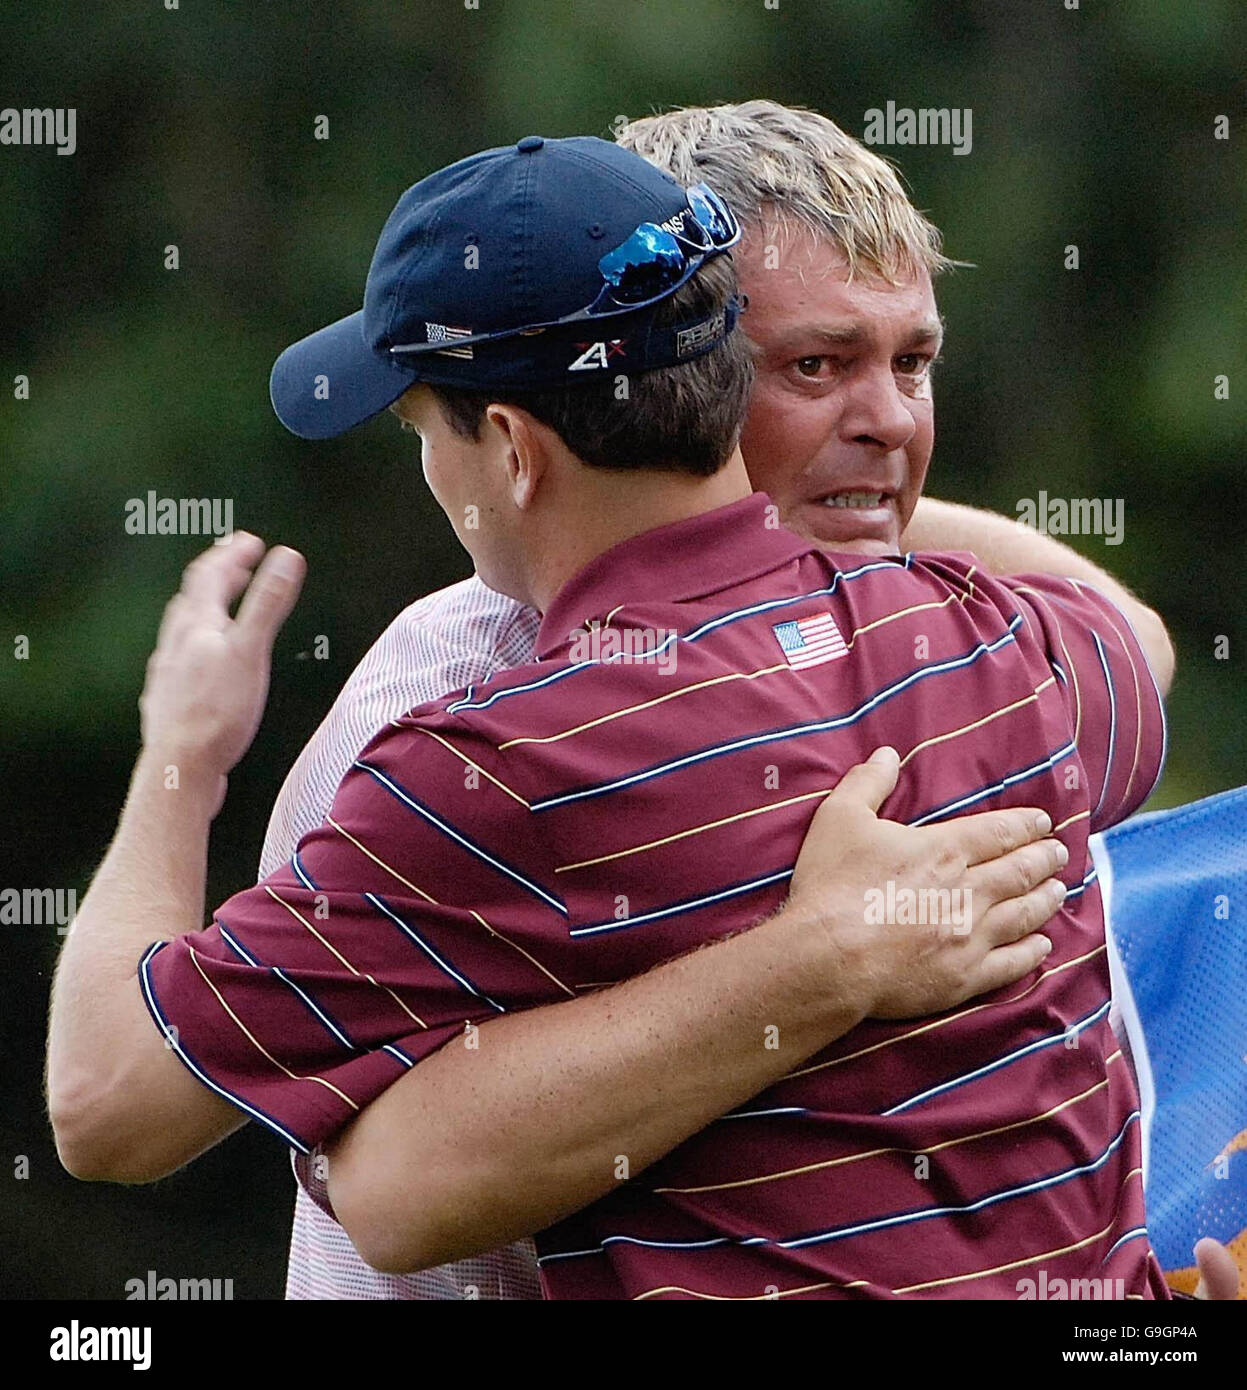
point(684, 419)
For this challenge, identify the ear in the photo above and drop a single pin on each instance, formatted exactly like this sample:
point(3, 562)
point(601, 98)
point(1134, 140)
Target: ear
point(526, 450)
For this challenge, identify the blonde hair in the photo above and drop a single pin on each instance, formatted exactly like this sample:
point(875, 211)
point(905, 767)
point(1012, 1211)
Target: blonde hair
point(785, 169)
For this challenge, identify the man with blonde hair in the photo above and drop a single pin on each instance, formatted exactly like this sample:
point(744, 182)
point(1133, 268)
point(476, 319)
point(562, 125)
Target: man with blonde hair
point(832, 396)
point(837, 267)
point(786, 170)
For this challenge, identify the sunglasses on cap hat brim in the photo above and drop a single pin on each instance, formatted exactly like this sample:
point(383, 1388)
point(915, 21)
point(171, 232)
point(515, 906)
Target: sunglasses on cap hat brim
point(649, 266)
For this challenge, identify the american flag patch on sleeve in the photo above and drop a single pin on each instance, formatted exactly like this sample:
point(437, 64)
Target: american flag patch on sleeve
point(810, 641)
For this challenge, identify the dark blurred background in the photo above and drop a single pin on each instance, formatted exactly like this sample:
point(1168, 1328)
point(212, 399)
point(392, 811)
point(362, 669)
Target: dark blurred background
point(1092, 126)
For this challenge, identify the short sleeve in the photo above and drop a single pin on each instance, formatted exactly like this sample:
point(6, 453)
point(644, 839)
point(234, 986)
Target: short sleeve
point(389, 932)
point(1114, 705)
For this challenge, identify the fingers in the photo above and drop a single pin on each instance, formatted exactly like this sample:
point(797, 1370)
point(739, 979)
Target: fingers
point(869, 783)
point(1006, 964)
point(993, 833)
point(172, 616)
point(217, 576)
point(1010, 920)
point(215, 579)
point(1218, 1273)
point(1016, 873)
point(272, 594)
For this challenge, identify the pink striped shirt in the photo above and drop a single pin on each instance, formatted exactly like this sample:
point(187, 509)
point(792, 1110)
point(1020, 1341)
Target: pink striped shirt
point(462, 635)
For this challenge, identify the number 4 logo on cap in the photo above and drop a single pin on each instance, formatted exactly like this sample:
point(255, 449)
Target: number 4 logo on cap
point(595, 355)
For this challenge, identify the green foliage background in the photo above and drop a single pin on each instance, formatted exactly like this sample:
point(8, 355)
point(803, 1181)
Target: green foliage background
point(195, 127)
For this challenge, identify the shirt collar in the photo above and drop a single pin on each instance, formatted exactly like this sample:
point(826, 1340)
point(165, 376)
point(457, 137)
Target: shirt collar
point(673, 563)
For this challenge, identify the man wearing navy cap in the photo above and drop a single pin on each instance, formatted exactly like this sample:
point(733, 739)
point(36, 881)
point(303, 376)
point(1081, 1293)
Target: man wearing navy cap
point(533, 291)
point(569, 826)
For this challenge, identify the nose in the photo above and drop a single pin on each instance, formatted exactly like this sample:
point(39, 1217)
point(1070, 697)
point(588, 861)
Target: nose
point(877, 414)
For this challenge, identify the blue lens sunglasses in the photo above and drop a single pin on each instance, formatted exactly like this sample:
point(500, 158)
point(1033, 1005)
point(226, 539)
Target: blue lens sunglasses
point(650, 265)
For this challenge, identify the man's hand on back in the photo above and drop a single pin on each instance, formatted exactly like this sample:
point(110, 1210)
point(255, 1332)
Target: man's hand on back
point(996, 867)
point(428, 1172)
point(207, 679)
point(1000, 857)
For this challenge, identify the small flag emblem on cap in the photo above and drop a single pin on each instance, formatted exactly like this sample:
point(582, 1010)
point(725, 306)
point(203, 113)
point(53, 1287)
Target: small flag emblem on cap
point(810, 641)
point(443, 333)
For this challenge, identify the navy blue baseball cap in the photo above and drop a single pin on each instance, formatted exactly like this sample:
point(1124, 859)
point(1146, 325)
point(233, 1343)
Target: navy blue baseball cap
point(532, 265)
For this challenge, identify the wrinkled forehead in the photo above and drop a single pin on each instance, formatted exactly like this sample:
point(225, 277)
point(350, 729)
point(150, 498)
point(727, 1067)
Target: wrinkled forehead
point(800, 286)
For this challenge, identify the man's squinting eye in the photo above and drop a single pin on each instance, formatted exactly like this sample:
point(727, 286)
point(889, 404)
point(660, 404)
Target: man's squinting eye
point(810, 366)
point(915, 363)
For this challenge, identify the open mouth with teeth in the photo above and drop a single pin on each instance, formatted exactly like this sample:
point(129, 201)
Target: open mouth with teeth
point(862, 500)
point(866, 521)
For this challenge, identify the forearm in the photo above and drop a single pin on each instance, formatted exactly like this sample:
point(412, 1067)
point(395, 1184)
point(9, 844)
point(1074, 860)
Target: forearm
point(554, 1107)
point(1002, 545)
point(150, 886)
point(123, 1106)
point(1005, 547)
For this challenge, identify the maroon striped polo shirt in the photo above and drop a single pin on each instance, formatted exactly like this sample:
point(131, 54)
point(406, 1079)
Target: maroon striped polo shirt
point(644, 787)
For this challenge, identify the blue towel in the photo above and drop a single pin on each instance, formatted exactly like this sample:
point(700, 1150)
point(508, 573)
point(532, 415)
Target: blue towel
point(1175, 894)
